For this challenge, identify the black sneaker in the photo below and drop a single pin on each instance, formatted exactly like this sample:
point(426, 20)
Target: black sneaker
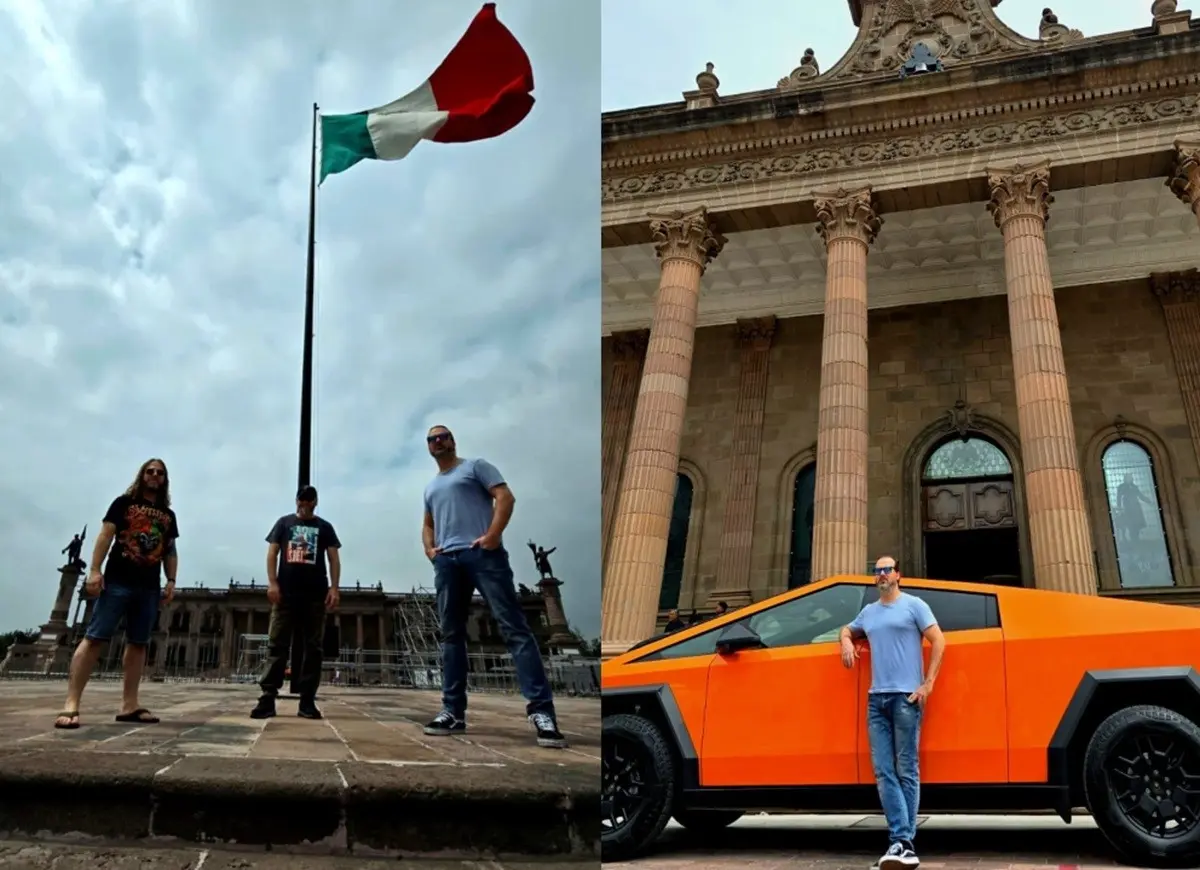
point(444, 724)
point(264, 709)
point(899, 856)
point(308, 709)
point(547, 731)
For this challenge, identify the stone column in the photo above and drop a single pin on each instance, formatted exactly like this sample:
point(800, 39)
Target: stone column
point(358, 621)
point(686, 243)
point(848, 223)
point(1059, 530)
point(227, 642)
point(741, 488)
point(383, 644)
point(629, 349)
point(250, 621)
point(1184, 180)
point(1179, 293)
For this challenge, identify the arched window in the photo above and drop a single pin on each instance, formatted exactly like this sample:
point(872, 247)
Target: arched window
point(1136, 514)
point(967, 460)
point(800, 556)
point(681, 517)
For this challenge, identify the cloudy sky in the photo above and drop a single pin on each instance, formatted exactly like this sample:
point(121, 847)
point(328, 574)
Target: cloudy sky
point(651, 53)
point(153, 209)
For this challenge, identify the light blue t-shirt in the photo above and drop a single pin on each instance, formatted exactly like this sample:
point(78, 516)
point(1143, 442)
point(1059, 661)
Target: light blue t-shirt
point(894, 632)
point(461, 503)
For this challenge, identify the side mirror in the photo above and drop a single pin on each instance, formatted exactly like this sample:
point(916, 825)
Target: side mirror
point(737, 637)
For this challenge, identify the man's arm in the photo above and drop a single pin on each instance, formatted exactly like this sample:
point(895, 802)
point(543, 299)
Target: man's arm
point(103, 541)
point(272, 563)
point(427, 537)
point(171, 561)
point(502, 510)
point(937, 640)
point(335, 566)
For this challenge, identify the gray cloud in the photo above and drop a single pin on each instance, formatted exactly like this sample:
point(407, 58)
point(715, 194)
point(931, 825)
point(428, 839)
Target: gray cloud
point(153, 209)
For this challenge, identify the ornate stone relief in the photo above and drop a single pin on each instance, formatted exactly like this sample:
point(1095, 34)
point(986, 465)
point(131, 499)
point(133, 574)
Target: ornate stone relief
point(952, 30)
point(1176, 287)
point(1184, 180)
point(809, 69)
point(940, 142)
point(961, 420)
point(630, 345)
point(1054, 33)
point(1021, 190)
point(843, 214)
point(687, 236)
point(756, 332)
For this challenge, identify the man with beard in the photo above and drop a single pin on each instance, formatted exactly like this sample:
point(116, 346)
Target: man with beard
point(467, 507)
point(138, 537)
point(300, 593)
point(894, 626)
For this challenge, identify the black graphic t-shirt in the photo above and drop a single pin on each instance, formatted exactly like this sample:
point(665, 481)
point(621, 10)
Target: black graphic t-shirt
point(302, 546)
point(145, 535)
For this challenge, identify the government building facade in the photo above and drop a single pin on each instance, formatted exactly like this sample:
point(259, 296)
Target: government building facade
point(938, 300)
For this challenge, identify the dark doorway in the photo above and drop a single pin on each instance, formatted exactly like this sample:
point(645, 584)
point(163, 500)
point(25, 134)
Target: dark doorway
point(976, 556)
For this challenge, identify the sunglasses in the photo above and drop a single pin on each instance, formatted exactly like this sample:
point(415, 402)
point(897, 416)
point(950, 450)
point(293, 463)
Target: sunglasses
point(155, 472)
point(440, 436)
point(884, 570)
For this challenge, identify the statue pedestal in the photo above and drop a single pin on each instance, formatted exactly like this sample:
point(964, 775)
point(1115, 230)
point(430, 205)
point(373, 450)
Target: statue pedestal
point(51, 652)
point(560, 632)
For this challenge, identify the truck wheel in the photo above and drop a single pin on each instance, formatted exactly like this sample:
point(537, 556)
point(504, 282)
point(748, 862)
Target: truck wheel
point(1141, 778)
point(703, 821)
point(637, 785)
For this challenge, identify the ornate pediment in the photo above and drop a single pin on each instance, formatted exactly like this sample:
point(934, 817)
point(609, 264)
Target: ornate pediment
point(950, 31)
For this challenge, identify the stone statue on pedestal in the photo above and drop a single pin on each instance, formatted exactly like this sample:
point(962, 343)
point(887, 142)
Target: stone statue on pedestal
point(73, 551)
point(541, 558)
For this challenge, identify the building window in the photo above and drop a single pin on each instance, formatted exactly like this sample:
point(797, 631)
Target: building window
point(800, 556)
point(966, 460)
point(681, 517)
point(1135, 511)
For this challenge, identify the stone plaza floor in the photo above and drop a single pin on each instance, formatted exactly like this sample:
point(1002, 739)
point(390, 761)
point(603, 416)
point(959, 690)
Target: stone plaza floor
point(365, 776)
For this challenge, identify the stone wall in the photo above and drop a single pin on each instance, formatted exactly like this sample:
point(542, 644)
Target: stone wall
point(923, 359)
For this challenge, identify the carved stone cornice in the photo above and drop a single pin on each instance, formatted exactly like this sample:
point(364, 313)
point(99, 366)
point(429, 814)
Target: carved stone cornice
point(686, 236)
point(847, 215)
point(1184, 180)
point(793, 156)
point(1175, 288)
point(1020, 191)
point(756, 332)
point(630, 345)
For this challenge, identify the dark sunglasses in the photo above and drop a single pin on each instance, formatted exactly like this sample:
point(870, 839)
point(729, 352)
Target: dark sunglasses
point(440, 436)
point(885, 570)
point(155, 472)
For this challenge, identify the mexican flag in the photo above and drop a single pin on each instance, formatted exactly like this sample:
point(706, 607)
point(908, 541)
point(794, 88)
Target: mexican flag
point(482, 89)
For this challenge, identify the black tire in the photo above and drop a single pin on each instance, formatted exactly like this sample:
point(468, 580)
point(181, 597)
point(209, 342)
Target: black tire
point(705, 821)
point(1158, 750)
point(637, 785)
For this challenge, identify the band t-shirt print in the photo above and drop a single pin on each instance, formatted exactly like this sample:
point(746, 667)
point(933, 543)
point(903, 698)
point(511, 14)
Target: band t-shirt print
point(302, 546)
point(143, 538)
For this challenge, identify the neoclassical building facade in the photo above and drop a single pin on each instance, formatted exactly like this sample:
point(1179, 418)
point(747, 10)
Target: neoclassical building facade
point(939, 300)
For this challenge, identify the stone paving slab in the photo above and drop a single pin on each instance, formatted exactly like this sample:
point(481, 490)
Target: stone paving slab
point(363, 778)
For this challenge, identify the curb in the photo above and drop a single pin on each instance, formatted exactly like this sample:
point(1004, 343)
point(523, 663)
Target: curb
point(343, 807)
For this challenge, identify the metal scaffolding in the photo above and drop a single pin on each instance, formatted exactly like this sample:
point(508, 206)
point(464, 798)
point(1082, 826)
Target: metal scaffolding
point(418, 659)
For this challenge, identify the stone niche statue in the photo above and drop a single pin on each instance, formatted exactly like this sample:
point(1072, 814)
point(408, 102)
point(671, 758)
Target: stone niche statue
point(541, 559)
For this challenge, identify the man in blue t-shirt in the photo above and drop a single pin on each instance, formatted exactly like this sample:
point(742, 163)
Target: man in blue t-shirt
point(467, 507)
point(894, 627)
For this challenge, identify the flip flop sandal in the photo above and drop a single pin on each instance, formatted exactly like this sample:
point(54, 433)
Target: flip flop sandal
point(140, 716)
point(70, 725)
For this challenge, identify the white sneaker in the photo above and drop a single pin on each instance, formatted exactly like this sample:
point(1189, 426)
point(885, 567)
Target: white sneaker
point(899, 856)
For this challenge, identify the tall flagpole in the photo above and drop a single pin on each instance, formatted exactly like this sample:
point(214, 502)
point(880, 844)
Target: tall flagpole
point(306, 378)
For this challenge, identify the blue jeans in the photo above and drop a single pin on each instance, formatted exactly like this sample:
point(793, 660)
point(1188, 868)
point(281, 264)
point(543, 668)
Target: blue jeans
point(894, 730)
point(456, 577)
point(137, 606)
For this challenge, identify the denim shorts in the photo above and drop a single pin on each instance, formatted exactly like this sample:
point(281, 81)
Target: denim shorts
point(137, 607)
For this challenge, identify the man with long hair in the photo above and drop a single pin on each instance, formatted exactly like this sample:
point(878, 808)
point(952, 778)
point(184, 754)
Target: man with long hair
point(300, 592)
point(467, 507)
point(138, 538)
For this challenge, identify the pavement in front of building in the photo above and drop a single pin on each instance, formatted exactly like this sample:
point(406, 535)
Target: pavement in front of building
point(365, 777)
point(853, 842)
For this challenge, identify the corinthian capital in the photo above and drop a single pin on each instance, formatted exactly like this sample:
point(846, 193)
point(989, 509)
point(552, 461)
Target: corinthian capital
point(1020, 191)
point(1184, 179)
point(842, 215)
point(686, 235)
